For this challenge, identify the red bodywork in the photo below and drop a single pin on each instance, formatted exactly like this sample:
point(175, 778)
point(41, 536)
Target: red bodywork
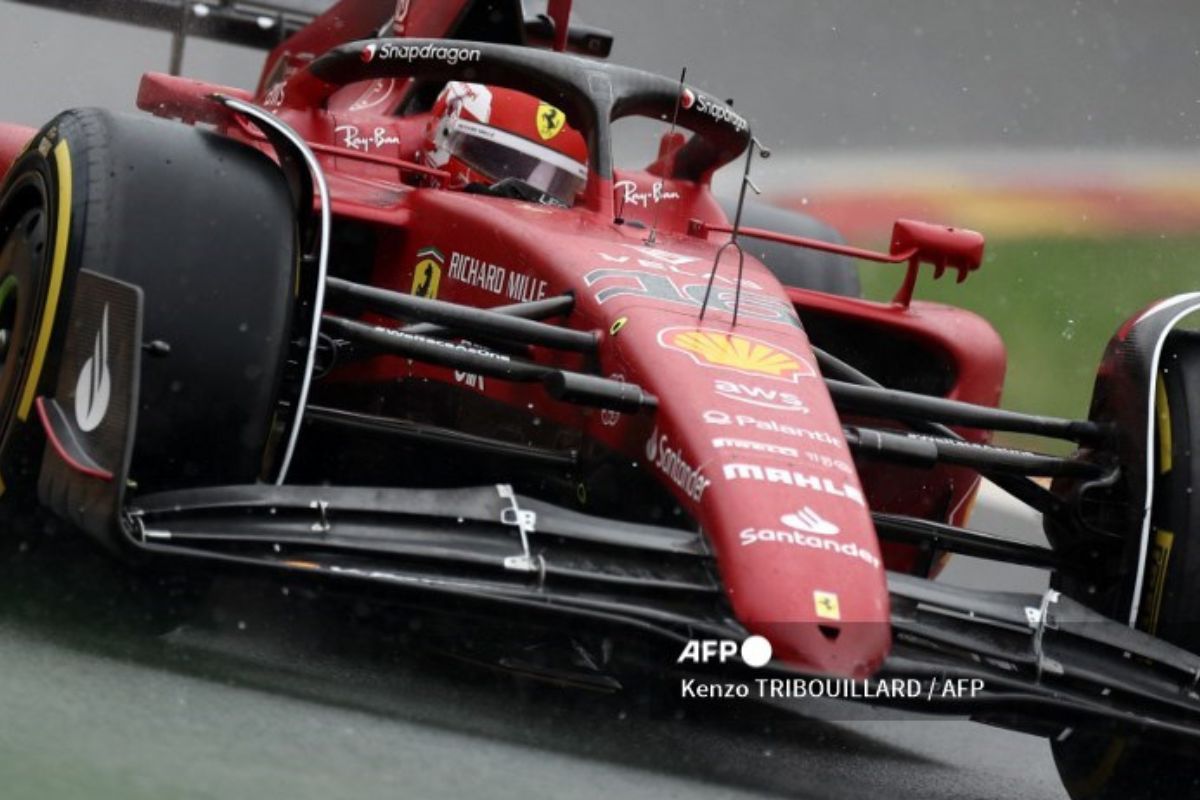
point(13, 139)
point(745, 436)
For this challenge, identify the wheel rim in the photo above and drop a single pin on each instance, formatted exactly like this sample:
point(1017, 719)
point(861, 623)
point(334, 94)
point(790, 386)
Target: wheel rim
point(24, 253)
point(8, 314)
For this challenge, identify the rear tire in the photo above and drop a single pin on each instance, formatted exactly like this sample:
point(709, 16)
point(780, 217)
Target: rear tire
point(798, 266)
point(1111, 764)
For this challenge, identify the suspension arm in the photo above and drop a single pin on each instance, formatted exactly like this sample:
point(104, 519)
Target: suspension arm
point(896, 404)
point(927, 451)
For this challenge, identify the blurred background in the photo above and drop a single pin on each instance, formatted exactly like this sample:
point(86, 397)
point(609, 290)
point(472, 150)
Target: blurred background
point(1068, 133)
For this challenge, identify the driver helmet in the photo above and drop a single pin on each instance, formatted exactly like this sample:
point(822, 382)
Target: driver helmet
point(485, 134)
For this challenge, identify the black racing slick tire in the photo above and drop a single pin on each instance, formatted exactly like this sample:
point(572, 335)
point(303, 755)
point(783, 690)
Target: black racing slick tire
point(1108, 765)
point(204, 226)
point(797, 266)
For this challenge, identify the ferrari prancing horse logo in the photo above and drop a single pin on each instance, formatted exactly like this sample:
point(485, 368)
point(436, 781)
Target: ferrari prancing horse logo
point(427, 274)
point(826, 605)
point(549, 121)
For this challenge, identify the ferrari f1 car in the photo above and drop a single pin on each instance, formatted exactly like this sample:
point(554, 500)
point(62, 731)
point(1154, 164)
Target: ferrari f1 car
point(266, 330)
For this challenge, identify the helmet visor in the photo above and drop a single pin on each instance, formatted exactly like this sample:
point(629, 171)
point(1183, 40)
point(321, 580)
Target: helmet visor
point(498, 154)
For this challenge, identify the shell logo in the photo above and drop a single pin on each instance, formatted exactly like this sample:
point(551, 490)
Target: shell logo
point(736, 352)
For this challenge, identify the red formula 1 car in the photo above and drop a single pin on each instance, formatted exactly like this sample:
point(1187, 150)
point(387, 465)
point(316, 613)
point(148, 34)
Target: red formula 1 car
point(276, 329)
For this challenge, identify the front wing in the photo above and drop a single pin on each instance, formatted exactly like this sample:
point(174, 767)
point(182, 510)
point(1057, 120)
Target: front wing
point(1046, 661)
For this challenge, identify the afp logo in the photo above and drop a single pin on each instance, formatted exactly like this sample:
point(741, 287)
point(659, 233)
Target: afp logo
point(755, 651)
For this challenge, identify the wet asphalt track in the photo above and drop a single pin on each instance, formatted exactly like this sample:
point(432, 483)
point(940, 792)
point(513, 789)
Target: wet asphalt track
point(270, 695)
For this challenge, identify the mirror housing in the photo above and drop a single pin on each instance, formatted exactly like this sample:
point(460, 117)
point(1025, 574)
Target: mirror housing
point(939, 245)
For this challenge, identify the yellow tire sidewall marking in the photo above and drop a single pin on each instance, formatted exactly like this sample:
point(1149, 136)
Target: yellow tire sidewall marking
point(58, 264)
point(1163, 413)
point(1159, 558)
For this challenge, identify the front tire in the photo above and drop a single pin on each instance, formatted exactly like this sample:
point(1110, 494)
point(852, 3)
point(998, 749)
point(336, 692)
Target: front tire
point(204, 225)
point(1127, 765)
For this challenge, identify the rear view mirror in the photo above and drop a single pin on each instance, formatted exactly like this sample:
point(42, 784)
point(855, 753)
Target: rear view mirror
point(939, 245)
point(942, 246)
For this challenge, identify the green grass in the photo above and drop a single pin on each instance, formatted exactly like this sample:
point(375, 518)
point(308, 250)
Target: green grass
point(1056, 303)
